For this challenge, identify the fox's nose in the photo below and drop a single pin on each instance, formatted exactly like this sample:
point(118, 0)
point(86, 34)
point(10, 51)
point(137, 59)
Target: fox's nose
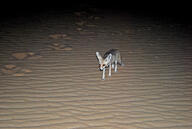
point(101, 68)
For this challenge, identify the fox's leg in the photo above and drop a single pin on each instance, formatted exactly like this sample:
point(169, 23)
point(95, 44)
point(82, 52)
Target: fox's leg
point(109, 69)
point(120, 61)
point(115, 65)
point(103, 76)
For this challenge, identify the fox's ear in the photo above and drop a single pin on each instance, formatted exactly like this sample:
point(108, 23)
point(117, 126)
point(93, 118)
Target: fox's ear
point(99, 57)
point(108, 58)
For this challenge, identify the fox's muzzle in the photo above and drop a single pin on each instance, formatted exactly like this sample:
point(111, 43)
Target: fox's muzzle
point(101, 68)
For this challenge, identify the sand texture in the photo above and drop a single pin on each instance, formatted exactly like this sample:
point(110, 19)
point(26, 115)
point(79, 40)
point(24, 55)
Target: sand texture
point(49, 77)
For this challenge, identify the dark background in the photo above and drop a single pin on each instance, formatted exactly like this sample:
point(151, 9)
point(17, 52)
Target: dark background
point(179, 11)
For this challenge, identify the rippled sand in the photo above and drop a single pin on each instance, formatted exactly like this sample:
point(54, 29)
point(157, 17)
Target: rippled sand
point(59, 86)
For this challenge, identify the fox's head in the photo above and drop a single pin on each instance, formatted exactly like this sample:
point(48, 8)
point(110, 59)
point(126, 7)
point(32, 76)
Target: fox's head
point(103, 63)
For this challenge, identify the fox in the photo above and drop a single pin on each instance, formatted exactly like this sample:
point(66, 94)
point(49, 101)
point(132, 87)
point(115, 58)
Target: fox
point(110, 59)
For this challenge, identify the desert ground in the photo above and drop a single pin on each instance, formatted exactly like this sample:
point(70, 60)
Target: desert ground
point(49, 76)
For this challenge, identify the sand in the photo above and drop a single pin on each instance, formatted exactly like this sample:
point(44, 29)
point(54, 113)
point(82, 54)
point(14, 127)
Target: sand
point(49, 76)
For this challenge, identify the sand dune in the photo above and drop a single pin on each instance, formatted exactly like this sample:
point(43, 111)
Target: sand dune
point(64, 90)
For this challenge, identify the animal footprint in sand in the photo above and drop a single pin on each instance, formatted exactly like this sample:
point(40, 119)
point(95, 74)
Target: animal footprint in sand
point(59, 36)
point(26, 55)
point(60, 47)
point(13, 70)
